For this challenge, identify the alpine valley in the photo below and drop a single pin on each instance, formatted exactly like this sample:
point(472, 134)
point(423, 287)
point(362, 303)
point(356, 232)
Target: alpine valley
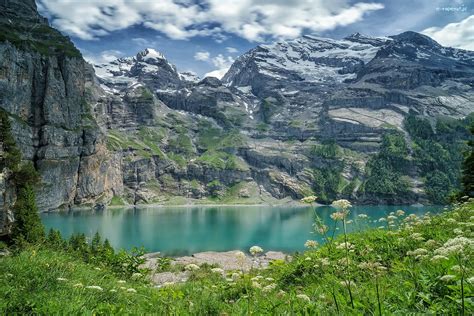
point(373, 120)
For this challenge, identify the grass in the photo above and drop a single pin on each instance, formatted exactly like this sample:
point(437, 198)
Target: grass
point(403, 267)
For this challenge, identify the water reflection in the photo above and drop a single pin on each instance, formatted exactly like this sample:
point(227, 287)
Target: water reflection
point(186, 230)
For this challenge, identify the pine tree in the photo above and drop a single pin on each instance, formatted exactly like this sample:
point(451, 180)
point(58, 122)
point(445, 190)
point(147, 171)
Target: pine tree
point(27, 226)
point(468, 170)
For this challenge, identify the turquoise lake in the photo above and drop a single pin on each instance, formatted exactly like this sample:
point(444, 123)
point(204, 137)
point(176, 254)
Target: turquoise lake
point(187, 230)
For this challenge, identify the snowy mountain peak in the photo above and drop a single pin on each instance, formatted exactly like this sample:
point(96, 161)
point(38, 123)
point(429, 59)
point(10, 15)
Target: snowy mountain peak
point(150, 53)
point(309, 58)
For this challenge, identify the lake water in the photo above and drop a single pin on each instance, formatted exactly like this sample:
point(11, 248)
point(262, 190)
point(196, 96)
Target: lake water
point(187, 230)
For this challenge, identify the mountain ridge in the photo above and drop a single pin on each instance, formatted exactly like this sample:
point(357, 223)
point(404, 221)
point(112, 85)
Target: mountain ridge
point(291, 118)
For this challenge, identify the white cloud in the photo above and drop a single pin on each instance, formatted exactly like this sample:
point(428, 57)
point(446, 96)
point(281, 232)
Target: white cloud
point(103, 57)
point(231, 50)
point(219, 73)
point(202, 56)
point(183, 19)
point(459, 35)
point(222, 63)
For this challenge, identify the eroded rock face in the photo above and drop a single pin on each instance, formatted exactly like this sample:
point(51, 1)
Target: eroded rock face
point(49, 100)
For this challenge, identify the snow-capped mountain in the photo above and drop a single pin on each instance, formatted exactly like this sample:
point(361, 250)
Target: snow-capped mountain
point(310, 59)
point(148, 66)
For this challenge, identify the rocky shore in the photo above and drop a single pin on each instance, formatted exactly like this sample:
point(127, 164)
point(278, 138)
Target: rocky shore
point(227, 261)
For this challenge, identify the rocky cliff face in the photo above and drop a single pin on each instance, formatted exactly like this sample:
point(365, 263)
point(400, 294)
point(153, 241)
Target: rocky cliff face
point(47, 92)
point(289, 119)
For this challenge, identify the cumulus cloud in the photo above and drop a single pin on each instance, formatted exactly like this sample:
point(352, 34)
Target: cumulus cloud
point(222, 63)
point(202, 56)
point(182, 19)
point(459, 34)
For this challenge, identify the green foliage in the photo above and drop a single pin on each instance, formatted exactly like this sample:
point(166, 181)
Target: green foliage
point(438, 153)
point(214, 188)
point(11, 157)
point(267, 109)
point(384, 171)
point(328, 149)
point(468, 169)
point(327, 183)
point(36, 37)
point(27, 227)
point(182, 145)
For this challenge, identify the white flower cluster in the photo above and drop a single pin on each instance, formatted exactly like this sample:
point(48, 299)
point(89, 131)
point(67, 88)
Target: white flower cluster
point(311, 244)
point(255, 250)
point(456, 245)
point(309, 199)
point(191, 267)
point(342, 204)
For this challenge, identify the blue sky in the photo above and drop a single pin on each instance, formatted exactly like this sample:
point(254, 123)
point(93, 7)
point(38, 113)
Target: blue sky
point(207, 35)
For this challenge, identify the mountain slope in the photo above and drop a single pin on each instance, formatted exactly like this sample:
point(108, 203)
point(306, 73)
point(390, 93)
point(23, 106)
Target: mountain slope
point(306, 116)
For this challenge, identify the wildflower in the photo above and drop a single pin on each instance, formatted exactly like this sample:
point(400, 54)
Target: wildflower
point(455, 245)
point(256, 278)
point(400, 213)
point(94, 287)
point(344, 245)
point(392, 218)
point(447, 278)
point(458, 231)
point(240, 256)
point(61, 279)
point(235, 276)
point(255, 250)
point(113, 290)
point(362, 216)
point(456, 268)
point(307, 259)
point(322, 229)
point(451, 220)
point(256, 285)
point(136, 276)
point(121, 281)
point(309, 199)
point(311, 244)
point(281, 293)
point(417, 252)
point(437, 258)
point(372, 266)
point(270, 279)
point(217, 270)
point(342, 204)
point(304, 297)
point(130, 290)
point(269, 287)
point(470, 280)
point(191, 267)
point(349, 221)
point(78, 285)
point(338, 216)
point(324, 261)
point(347, 283)
point(97, 268)
point(431, 243)
point(382, 219)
